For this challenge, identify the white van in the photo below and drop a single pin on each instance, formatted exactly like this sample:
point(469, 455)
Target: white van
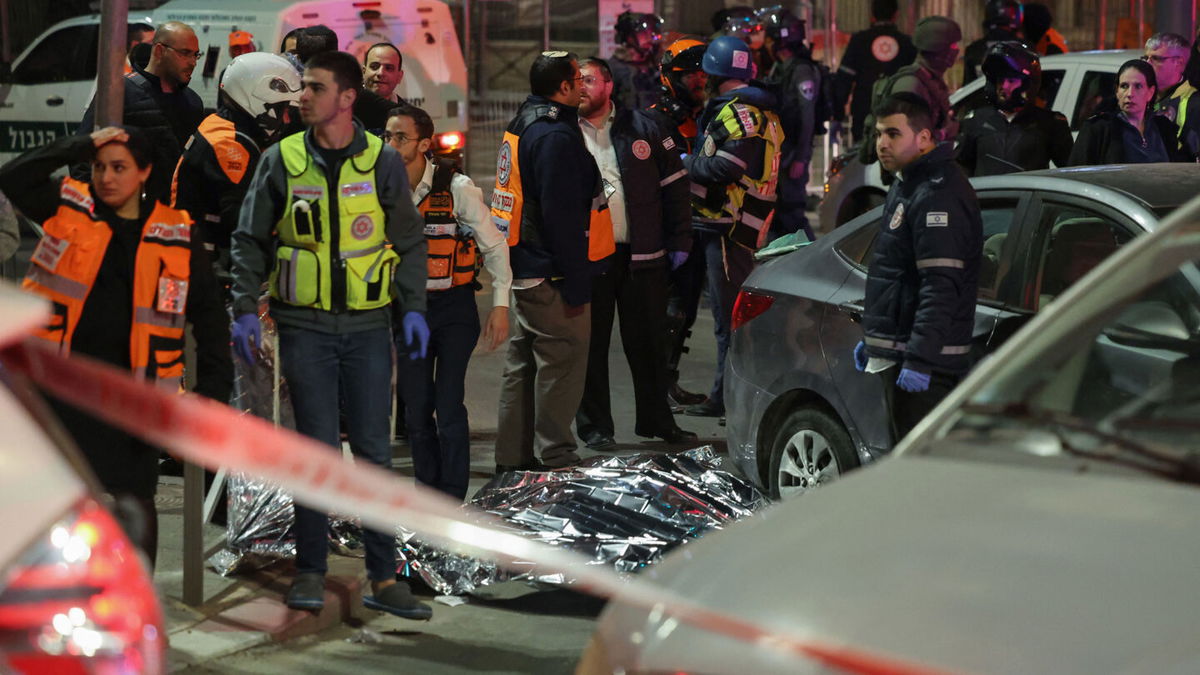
point(52, 82)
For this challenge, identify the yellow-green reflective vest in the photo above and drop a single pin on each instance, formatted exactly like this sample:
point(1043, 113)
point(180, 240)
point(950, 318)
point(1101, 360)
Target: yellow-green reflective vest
point(333, 253)
point(746, 207)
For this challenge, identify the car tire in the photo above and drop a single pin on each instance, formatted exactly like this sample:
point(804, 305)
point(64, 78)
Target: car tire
point(810, 448)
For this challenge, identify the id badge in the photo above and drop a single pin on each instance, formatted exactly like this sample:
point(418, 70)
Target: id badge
point(609, 189)
point(172, 295)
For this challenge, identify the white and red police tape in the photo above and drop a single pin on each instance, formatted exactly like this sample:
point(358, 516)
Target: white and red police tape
point(215, 436)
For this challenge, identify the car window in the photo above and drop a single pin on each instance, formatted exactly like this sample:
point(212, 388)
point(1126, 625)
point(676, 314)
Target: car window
point(998, 250)
point(1073, 239)
point(1097, 86)
point(66, 55)
point(1051, 82)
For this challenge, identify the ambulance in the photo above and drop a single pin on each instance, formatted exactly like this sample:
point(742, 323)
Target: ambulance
point(49, 86)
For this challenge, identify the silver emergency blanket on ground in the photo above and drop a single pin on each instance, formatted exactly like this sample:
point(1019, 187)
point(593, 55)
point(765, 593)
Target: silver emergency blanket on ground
point(622, 511)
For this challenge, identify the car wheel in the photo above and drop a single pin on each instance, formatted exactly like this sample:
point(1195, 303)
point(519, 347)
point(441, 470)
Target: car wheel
point(811, 448)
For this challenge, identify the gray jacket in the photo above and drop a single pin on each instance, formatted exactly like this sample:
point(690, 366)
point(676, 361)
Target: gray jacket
point(254, 241)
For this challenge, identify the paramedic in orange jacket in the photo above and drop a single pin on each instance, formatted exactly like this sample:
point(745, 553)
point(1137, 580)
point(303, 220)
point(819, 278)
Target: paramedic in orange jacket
point(123, 275)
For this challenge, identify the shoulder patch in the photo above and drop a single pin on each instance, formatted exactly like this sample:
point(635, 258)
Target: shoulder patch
point(233, 159)
point(668, 143)
point(937, 219)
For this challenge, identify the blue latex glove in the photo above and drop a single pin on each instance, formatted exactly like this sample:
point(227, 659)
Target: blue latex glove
point(860, 356)
point(677, 259)
point(246, 328)
point(912, 381)
point(416, 334)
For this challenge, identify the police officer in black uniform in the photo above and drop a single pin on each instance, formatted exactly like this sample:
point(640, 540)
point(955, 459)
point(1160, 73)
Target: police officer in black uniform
point(634, 61)
point(1001, 23)
point(804, 92)
point(1012, 133)
point(919, 310)
point(871, 55)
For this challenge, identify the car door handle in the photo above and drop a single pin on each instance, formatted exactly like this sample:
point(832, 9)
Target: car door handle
point(853, 309)
point(54, 100)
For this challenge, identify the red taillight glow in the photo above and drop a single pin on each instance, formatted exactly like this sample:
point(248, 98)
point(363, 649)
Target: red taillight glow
point(451, 140)
point(80, 601)
point(747, 306)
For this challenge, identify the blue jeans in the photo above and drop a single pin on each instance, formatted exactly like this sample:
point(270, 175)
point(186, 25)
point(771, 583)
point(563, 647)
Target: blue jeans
point(726, 266)
point(436, 386)
point(358, 365)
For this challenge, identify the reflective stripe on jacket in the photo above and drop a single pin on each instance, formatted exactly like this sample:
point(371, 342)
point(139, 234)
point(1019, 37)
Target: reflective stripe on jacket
point(67, 260)
point(453, 256)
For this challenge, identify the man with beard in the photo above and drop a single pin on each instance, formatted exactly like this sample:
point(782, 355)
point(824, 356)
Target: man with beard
point(635, 78)
point(158, 101)
point(1013, 133)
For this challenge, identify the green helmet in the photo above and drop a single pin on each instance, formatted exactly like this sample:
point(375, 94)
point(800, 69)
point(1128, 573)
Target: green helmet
point(936, 34)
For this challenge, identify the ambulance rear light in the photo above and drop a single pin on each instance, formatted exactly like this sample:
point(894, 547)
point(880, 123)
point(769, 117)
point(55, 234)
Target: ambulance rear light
point(448, 141)
point(79, 600)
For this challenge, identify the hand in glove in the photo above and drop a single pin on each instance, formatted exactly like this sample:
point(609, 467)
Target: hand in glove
point(912, 381)
point(860, 356)
point(416, 334)
point(246, 328)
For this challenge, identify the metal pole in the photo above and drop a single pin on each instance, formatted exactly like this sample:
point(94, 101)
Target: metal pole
point(5, 43)
point(467, 52)
point(545, 24)
point(110, 90)
point(193, 535)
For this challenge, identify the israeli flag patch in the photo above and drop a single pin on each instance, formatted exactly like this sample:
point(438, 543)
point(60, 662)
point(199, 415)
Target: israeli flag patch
point(937, 219)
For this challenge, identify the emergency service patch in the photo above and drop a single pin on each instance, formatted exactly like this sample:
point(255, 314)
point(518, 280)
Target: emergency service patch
point(641, 149)
point(937, 219)
point(885, 48)
point(710, 147)
point(234, 160)
point(808, 89)
point(165, 232)
point(504, 165)
point(746, 118)
point(741, 59)
point(362, 227)
point(309, 193)
point(897, 218)
point(668, 143)
point(440, 202)
point(358, 189)
point(50, 250)
point(81, 199)
point(552, 113)
point(172, 295)
point(503, 201)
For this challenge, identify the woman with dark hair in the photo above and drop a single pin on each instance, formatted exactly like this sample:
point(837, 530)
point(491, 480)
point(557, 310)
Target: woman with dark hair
point(1133, 134)
point(123, 274)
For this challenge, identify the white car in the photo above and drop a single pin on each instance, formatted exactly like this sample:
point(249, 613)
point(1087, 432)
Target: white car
point(53, 81)
point(1072, 84)
point(1042, 519)
point(75, 596)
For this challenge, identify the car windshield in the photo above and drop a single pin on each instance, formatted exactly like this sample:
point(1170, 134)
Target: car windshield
point(1123, 384)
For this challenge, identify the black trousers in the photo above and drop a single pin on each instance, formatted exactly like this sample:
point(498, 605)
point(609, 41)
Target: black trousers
point(640, 296)
point(906, 409)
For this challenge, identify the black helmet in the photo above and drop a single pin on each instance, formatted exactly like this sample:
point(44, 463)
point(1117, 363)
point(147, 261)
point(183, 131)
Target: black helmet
point(785, 28)
point(629, 24)
point(741, 23)
point(1004, 14)
point(1011, 59)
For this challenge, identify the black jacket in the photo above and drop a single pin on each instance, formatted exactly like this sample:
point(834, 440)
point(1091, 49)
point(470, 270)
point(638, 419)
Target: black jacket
point(863, 63)
point(169, 120)
point(207, 192)
point(1099, 140)
point(800, 84)
point(657, 192)
point(990, 145)
point(924, 274)
point(636, 81)
point(558, 181)
point(103, 329)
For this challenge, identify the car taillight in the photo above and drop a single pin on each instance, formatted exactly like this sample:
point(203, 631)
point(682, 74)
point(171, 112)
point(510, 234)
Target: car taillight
point(747, 306)
point(451, 140)
point(80, 601)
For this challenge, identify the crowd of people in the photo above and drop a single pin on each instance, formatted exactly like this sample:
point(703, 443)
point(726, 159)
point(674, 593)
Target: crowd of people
point(624, 188)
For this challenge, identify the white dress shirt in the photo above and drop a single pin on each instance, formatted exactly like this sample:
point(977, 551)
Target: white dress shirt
point(475, 217)
point(599, 143)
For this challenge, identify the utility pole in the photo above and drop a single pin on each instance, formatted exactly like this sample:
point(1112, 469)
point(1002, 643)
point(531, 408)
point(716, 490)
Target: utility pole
point(110, 73)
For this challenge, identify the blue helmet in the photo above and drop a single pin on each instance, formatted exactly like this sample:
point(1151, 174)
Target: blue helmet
point(728, 56)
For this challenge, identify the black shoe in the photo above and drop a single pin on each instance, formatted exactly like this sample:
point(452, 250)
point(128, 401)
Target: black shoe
point(600, 441)
point(531, 465)
point(706, 409)
point(672, 435)
point(678, 396)
point(398, 599)
point(307, 592)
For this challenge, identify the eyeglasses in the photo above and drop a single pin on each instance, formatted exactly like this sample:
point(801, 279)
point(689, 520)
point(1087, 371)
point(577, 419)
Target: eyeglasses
point(1163, 59)
point(185, 53)
point(590, 80)
point(400, 137)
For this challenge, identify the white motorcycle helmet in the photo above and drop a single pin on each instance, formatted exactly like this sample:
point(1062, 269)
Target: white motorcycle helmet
point(266, 87)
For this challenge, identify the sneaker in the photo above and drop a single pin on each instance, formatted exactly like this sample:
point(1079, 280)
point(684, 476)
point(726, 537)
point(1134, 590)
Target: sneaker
point(397, 599)
point(307, 592)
